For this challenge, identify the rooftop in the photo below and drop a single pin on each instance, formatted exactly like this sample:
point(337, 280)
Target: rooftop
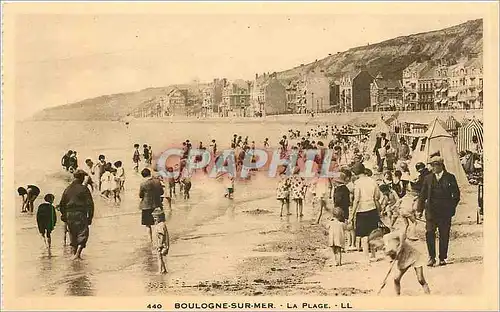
point(388, 84)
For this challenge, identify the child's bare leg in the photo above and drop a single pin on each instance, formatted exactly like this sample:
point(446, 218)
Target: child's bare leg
point(161, 264)
point(297, 207)
point(282, 204)
point(44, 239)
point(421, 279)
point(321, 205)
point(349, 239)
point(397, 280)
point(49, 240)
point(301, 207)
point(336, 252)
point(24, 207)
point(287, 202)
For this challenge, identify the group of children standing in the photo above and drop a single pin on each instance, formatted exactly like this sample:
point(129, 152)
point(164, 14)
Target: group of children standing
point(110, 176)
point(147, 155)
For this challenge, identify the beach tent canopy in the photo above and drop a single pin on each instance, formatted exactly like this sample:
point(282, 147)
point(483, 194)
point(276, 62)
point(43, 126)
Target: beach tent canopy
point(382, 127)
point(466, 132)
point(452, 124)
point(438, 140)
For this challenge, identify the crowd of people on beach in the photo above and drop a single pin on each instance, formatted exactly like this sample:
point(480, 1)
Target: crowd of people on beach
point(363, 206)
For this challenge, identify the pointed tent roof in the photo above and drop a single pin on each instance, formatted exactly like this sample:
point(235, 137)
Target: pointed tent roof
point(438, 140)
point(382, 127)
point(452, 123)
point(436, 129)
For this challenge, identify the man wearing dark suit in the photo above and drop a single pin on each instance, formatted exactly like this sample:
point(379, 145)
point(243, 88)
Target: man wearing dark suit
point(439, 198)
point(381, 142)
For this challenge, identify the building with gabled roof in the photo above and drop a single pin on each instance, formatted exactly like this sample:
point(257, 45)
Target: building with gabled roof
point(355, 90)
point(416, 88)
point(386, 94)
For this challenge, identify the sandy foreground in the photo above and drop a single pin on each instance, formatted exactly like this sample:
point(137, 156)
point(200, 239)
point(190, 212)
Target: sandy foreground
point(250, 250)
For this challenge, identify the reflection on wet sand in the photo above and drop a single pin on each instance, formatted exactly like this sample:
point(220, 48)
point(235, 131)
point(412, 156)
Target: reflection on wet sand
point(148, 259)
point(81, 284)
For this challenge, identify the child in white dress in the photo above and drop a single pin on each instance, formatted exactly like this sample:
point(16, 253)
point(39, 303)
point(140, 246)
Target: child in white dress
point(120, 174)
point(336, 237)
point(107, 182)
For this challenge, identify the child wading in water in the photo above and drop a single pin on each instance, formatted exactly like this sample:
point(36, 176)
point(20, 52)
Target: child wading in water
point(120, 174)
point(136, 158)
point(46, 219)
point(24, 195)
point(117, 185)
point(336, 237)
point(162, 239)
point(107, 181)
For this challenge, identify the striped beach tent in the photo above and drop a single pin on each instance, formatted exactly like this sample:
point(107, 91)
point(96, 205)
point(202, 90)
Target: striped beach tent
point(452, 124)
point(466, 132)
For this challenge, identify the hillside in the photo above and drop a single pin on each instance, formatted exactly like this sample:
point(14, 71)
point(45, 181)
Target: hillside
point(106, 107)
point(389, 57)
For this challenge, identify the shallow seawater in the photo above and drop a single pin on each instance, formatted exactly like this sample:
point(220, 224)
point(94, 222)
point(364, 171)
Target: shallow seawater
point(118, 259)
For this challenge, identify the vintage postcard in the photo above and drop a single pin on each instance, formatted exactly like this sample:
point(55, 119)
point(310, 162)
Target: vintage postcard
point(245, 156)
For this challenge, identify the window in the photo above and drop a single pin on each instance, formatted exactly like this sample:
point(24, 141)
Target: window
point(423, 142)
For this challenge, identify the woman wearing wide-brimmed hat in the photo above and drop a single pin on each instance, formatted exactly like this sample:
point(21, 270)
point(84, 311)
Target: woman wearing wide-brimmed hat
point(366, 206)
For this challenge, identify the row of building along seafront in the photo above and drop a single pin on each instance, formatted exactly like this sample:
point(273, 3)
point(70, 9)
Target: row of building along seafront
point(428, 85)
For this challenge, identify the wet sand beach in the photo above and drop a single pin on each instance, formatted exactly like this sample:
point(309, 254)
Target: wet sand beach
point(219, 246)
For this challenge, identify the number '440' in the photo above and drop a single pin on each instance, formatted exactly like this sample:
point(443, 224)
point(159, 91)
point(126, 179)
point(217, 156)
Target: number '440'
point(154, 306)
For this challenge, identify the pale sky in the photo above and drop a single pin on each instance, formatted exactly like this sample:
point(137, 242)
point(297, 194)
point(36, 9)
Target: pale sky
point(66, 58)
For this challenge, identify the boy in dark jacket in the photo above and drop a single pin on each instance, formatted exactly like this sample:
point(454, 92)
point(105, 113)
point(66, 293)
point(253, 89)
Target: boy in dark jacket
point(46, 218)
